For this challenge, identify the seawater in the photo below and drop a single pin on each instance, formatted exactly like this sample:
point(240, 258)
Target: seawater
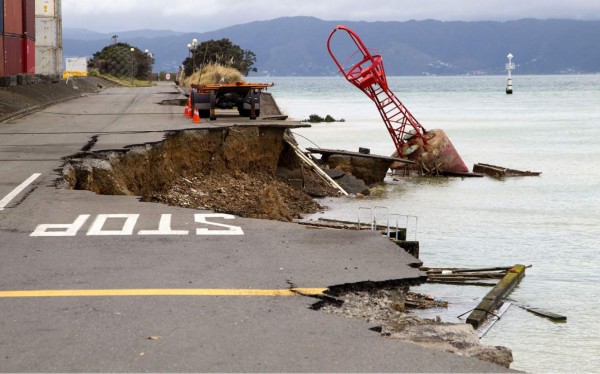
point(552, 222)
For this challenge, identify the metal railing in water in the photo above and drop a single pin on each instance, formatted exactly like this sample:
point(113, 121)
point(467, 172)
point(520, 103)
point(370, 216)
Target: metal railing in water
point(372, 221)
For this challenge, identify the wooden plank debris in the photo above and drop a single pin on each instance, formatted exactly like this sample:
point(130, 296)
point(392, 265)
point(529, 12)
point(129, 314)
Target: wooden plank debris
point(502, 172)
point(494, 298)
point(492, 319)
point(328, 152)
point(459, 276)
point(542, 312)
point(313, 166)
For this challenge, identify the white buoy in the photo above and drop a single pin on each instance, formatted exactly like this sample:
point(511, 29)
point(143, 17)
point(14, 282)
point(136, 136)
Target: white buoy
point(510, 67)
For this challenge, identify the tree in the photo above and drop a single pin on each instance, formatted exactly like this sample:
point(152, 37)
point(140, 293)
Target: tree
point(222, 52)
point(118, 60)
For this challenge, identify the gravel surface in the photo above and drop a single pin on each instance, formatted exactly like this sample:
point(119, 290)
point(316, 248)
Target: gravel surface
point(255, 195)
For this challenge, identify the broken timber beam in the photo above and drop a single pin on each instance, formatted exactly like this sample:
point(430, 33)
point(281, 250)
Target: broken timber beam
point(494, 298)
point(501, 172)
point(312, 165)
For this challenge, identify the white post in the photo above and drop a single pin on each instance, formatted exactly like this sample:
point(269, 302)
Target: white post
point(510, 67)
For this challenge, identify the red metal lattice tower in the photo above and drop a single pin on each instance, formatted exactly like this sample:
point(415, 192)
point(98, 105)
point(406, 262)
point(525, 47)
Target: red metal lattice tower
point(369, 76)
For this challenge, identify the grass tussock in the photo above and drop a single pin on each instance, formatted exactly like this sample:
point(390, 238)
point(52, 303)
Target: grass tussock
point(214, 74)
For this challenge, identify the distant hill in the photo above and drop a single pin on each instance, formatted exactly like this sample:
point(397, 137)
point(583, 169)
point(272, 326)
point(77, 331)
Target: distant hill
point(297, 45)
point(83, 34)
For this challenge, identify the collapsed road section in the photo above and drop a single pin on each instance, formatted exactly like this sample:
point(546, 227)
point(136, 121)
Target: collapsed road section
point(243, 171)
point(119, 249)
point(248, 171)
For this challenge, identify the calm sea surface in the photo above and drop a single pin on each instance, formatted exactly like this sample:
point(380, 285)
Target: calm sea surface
point(550, 124)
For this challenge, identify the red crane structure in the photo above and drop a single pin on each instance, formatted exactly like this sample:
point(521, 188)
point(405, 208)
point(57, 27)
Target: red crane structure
point(364, 70)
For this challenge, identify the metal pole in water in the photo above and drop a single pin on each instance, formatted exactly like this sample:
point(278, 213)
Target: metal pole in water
point(510, 66)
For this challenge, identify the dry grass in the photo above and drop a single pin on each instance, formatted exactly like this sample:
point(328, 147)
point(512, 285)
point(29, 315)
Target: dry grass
point(126, 82)
point(214, 74)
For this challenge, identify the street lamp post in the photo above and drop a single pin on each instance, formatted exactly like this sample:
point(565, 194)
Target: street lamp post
point(149, 55)
point(132, 51)
point(192, 48)
point(189, 46)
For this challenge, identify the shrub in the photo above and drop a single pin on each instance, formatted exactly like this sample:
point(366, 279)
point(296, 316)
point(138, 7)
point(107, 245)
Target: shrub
point(315, 118)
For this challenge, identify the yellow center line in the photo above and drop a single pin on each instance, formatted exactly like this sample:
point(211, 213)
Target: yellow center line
point(161, 292)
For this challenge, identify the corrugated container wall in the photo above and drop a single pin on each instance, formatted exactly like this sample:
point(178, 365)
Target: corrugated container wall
point(13, 17)
point(29, 19)
point(47, 8)
point(1, 56)
point(2, 19)
point(48, 37)
point(48, 32)
point(29, 56)
point(13, 55)
point(48, 60)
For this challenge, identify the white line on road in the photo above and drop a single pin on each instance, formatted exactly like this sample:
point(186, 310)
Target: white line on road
point(7, 199)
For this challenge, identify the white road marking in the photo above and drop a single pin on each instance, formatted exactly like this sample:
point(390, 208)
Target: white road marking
point(127, 229)
point(231, 230)
point(63, 229)
point(7, 199)
point(128, 222)
point(164, 228)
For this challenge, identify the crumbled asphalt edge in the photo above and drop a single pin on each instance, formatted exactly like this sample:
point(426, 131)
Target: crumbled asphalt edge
point(334, 294)
point(382, 304)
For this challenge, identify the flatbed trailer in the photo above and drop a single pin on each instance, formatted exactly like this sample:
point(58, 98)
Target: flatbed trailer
point(245, 97)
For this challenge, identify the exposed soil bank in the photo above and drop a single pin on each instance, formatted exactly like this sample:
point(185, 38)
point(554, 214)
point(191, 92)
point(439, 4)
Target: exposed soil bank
point(225, 169)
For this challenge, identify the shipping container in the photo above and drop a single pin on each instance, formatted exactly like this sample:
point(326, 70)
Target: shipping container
point(1, 56)
point(2, 19)
point(47, 8)
point(28, 56)
point(48, 32)
point(13, 55)
point(76, 64)
point(48, 60)
point(29, 19)
point(13, 17)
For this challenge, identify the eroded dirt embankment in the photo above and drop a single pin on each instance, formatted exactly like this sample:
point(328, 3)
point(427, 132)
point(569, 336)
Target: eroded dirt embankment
point(225, 169)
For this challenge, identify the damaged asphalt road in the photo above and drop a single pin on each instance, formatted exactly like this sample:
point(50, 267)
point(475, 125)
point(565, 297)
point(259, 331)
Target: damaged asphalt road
point(57, 239)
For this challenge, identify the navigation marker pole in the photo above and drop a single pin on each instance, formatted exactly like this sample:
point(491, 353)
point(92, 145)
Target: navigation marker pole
point(510, 66)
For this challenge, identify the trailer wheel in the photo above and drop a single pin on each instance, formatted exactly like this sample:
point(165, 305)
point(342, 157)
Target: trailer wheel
point(193, 97)
point(213, 105)
point(246, 112)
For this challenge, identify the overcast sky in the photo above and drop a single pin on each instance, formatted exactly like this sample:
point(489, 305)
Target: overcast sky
point(207, 15)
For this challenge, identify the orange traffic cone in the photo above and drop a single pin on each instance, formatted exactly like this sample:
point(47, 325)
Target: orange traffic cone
point(191, 112)
point(196, 118)
point(186, 112)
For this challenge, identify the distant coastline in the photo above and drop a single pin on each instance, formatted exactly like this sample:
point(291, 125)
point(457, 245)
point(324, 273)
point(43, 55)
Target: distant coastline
point(412, 48)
